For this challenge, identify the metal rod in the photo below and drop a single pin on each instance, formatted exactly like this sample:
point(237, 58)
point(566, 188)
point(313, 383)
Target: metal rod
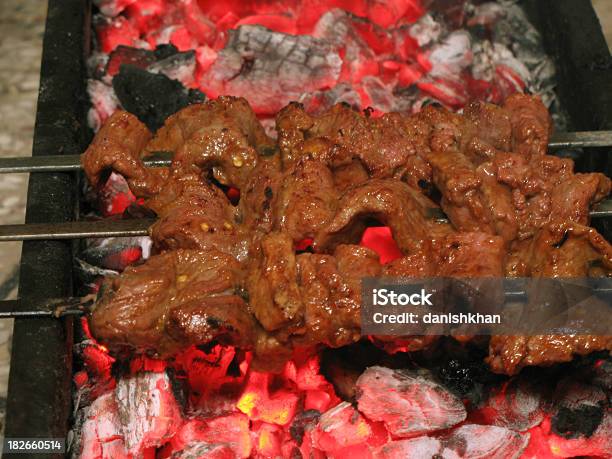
point(602, 210)
point(164, 158)
point(75, 230)
point(581, 139)
point(39, 308)
point(140, 227)
point(75, 306)
point(62, 163)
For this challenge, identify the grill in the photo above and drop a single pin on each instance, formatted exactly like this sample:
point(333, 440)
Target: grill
point(39, 398)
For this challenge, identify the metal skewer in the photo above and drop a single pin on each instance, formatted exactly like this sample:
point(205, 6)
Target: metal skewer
point(59, 163)
point(63, 163)
point(76, 230)
point(140, 227)
point(39, 308)
point(78, 306)
point(581, 139)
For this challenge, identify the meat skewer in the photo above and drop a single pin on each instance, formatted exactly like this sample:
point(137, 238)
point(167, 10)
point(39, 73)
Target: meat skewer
point(140, 227)
point(60, 163)
point(234, 273)
point(78, 306)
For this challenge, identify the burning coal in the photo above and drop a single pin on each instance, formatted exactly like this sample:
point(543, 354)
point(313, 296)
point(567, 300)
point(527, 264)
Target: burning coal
point(390, 56)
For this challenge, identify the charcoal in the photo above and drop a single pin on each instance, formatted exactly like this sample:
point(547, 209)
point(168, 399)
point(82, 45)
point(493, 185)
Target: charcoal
point(581, 421)
point(415, 448)
point(472, 441)
point(271, 69)
point(453, 11)
point(205, 450)
point(341, 372)
point(175, 65)
point(219, 437)
point(602, 376)
point(152, 97)
point(116, 253)
point(407, 403)
point(517, 404)
point(425, 31)
point(458, 376)
point(148, 410)
point(303, 421)
point(165, 59)
point(599, 444)
point(340, 427)
point(469, 441)
point(124, 55)
point(104, 103)
point(580, 408)
point(165, 51)
point(101, 434)
point(318, 102)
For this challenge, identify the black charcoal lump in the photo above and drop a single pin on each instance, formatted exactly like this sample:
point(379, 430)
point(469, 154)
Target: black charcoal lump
point(152, 97)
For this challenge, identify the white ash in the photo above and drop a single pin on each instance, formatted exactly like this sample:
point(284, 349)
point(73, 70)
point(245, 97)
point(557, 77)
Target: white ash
point(147, 410)
point(112, 8)
point(272, 68)
point(104, 103)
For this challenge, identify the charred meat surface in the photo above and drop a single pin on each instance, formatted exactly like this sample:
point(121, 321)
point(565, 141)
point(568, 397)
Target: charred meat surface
point(239, 274)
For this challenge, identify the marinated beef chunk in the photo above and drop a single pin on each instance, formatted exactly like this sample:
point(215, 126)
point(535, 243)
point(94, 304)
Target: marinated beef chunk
point(307, 199)
point(222, 136)
point(456, 255)
point(509, 354)
point(119, 146)
point(493, 127)
point(234, 273)
point(145, 307)
point(563, 251)
point(405, 210)
point(571, 199)
point(331, 292)
point(274, 296)
point(531, 124)
point(471, 197)
point(471, 255)
point(258, 196)
point(386, 146)
point(194, 214)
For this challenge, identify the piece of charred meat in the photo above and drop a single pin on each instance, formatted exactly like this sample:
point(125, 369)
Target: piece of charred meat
point(174, 299)
point(238, 274)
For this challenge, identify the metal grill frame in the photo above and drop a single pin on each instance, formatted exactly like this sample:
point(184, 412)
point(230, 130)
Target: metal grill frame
point(40, 386)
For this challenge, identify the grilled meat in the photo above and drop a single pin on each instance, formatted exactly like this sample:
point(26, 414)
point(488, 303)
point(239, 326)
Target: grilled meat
point(173, 300)
point(232, 273)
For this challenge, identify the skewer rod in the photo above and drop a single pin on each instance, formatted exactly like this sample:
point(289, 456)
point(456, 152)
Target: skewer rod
point(63, 163)
point(581, 139)
point(140, 227)
point(45, 308)
point(74, 306)
point(75, 230)
point(60, 163)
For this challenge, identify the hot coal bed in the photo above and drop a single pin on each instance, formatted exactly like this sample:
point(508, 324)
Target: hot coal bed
point(207, 402)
